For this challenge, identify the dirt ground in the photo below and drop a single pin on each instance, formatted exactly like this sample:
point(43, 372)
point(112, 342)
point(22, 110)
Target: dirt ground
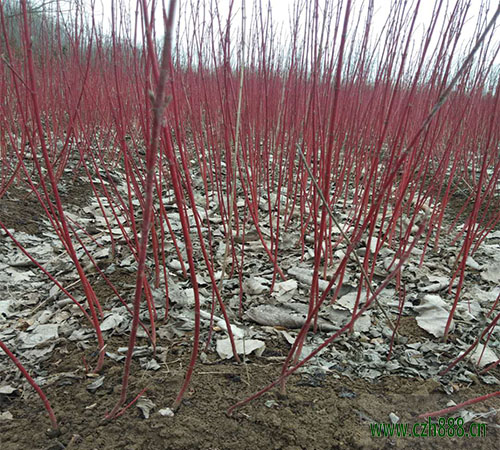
point(324, 412)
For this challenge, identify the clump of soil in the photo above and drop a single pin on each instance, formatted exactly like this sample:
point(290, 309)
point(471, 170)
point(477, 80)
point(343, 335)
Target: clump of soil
point(13, 207)
point(21, 210)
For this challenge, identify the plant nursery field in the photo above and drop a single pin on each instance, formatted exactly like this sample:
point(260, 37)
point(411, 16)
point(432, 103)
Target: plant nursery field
point(223, 228)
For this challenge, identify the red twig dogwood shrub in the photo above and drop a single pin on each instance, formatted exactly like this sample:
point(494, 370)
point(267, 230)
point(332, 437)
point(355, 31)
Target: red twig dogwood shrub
point(385, 120)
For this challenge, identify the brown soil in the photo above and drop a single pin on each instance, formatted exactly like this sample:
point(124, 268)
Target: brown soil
point(462, 196)
point(21, 210)
point(409, 328)
point(13, 207)
point(334, 414)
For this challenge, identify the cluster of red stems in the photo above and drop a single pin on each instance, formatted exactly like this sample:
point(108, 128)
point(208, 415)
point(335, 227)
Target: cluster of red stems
point(335, 109)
